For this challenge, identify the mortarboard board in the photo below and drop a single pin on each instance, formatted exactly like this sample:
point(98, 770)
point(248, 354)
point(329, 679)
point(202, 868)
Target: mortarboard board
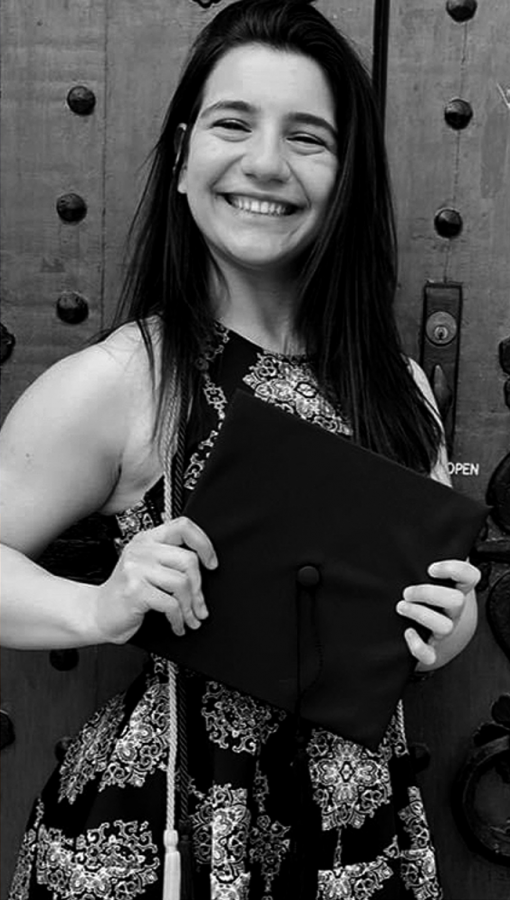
point(316, 539)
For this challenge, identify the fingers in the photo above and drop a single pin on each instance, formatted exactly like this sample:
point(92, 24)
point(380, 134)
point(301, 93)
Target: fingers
point(448, 599)
point(465, 576)
point(185, 562)
point(439, 624)
point(423, 652)
point(184, 532)
point(437, 607)
point(162, 568)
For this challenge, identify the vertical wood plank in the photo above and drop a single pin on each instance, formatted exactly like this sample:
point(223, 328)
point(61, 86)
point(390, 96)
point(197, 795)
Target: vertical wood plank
point(433, 59)
point(47, 151)
point(47, 48)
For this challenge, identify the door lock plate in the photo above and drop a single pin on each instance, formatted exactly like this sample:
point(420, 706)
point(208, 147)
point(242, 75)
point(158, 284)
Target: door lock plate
point(442, 305)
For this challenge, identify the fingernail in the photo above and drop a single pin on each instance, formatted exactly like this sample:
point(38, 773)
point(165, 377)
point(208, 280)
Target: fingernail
point(213, 563)
point(203, 613)
point(401, 607)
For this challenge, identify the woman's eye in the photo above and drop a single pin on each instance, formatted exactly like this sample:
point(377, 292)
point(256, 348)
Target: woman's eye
point(309, 140)
point(231, 125)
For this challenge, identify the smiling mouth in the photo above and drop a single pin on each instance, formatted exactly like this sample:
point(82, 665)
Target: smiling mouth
point(260, 207)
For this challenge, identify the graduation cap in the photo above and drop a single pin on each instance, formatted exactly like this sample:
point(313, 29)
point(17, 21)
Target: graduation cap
point(316, 540)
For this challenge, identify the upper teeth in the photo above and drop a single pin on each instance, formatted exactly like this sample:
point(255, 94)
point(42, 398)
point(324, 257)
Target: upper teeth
point(264, 207)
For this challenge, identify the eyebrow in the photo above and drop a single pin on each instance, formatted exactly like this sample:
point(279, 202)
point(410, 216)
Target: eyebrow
point(303, 118)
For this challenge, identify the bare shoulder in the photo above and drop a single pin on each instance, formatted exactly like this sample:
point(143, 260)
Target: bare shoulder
point(98, 379)
point(78, 440)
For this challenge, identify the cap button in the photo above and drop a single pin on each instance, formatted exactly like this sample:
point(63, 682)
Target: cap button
point(308, 576)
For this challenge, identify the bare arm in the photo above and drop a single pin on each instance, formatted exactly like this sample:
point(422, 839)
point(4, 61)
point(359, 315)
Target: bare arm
point(67, 449)
point(60, 452)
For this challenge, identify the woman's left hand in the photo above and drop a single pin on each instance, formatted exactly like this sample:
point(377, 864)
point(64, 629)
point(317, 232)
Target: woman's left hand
point(448, 612)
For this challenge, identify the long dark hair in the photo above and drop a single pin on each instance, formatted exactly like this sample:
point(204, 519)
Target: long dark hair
point(346, 290)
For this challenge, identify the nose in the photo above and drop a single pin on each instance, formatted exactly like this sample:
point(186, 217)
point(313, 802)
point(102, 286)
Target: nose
point(264, 158)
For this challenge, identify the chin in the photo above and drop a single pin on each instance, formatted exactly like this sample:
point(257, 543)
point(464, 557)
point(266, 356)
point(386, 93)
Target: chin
point(257, 259)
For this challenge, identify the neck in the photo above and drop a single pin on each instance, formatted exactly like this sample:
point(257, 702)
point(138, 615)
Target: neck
point(259, 306)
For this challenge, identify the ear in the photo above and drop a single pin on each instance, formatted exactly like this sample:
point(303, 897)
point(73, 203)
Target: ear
point(178, 147)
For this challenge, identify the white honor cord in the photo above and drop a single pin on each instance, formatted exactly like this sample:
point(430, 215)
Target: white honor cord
point(172, 864)
point(172, 867)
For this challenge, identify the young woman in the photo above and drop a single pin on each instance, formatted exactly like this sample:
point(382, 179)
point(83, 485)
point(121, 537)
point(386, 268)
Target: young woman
point(264, 258)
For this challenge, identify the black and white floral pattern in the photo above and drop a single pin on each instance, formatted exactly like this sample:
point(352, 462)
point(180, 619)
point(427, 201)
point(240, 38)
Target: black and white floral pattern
point(96, 833)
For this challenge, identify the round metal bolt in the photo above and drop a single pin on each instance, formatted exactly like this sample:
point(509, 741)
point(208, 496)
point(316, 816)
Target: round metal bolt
point(461, 10)
point(458, 113)
point(64, 660)
point(72, 307)
point(506, 392)
point(81, 100)
point(504, 355)
point(7, 342)
point(7, 734)
point(71, 208)
point(448, 222)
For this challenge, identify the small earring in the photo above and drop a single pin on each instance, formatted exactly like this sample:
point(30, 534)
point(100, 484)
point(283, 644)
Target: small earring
point(177, 161)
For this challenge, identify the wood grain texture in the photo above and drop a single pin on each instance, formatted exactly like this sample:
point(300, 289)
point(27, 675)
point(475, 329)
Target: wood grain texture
point(130, 55)
point(47, 48)
point(433, 59)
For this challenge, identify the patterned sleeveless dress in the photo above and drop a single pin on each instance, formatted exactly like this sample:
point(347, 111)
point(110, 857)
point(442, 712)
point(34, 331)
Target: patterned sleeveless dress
point(96, 831)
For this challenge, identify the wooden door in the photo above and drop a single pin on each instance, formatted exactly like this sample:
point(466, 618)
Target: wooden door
point(447, 165)
point(61, 274)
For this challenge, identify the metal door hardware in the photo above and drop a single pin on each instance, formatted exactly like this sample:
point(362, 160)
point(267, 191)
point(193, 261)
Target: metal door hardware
point(71, 208)
point(461, 10)
point(441, 328)
point(486, 770)
point(7, 342)
point(504, 355)
point(6, 730)
point(458, 113)
point(442, 306)
point(498, 611)
point(498, 494)
point(448, 222)
point(72, 307)
point(504, 361)
point(81, 100)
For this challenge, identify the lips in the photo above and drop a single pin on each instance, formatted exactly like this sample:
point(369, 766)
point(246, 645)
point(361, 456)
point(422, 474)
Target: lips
point(259, 206)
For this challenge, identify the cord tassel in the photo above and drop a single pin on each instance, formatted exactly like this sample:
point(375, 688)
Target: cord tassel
point(172, 867)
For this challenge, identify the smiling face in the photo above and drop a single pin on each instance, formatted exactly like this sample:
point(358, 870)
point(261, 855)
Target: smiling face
point(261, 161)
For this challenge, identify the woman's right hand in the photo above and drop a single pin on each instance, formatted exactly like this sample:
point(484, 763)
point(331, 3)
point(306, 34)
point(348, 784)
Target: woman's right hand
point(158, 570)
